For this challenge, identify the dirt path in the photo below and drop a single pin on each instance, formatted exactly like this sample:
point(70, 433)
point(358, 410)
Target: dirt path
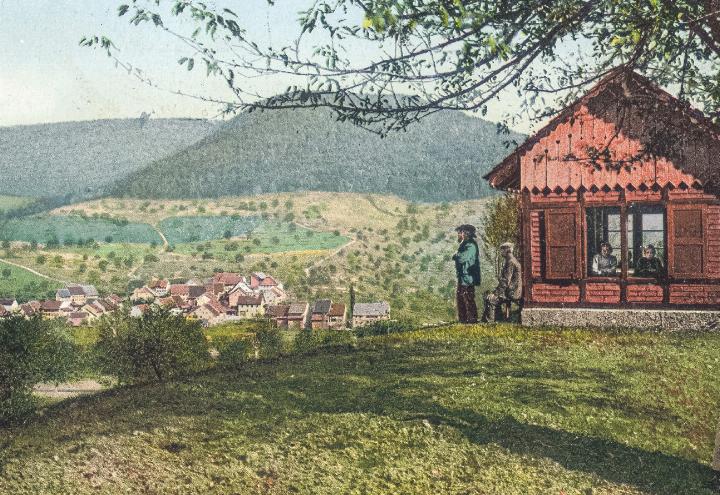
point(162, 236)
point(372, 202)
point(32, 271)
point(66, 390)
point(331, 255)
point(161, 249)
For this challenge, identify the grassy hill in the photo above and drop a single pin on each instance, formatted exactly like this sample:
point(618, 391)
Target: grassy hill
point(441, 158)
point(73, 160)
point(463, 410)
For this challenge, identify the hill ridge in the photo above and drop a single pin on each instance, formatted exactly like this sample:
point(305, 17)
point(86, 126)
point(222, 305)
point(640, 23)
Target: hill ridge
point(441, 158)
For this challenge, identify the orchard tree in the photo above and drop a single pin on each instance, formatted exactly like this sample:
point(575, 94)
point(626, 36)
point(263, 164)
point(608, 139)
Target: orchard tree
point(431, 55)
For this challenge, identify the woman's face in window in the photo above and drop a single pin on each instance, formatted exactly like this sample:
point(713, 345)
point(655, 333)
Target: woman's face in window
point(648, 253)
point(605, 250)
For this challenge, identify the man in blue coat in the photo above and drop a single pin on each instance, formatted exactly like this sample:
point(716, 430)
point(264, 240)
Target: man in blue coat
point(467, 268)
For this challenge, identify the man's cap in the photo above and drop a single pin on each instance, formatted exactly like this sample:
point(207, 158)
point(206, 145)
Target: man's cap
point(466, 228)
point(508, 245)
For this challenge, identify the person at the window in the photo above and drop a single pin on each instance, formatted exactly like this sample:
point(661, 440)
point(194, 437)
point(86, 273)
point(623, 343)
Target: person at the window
point(649, 265)
point(604, 263)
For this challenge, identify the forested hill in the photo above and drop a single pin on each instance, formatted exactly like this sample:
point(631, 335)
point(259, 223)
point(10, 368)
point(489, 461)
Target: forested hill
point(75, 160)
point(441, 158)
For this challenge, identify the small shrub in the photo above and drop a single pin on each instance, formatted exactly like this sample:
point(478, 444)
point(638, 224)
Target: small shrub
point(156, 347)
point(233, 352)
point(305, 341)
point(269, 341)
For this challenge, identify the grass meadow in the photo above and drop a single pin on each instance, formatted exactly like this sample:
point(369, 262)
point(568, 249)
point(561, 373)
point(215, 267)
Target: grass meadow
point(452, 410)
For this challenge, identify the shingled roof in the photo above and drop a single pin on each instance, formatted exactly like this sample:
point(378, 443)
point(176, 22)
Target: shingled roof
point(322, 306)
point(655, 107)
point(371, 309)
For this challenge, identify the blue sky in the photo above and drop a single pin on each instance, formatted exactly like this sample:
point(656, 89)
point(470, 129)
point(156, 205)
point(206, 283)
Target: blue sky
point(47, 77)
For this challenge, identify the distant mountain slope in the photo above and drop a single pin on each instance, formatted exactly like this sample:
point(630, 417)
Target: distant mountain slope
point(77, 160)
point(441, 158)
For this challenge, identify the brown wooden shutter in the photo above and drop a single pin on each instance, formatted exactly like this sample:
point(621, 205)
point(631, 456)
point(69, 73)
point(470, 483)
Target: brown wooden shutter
point(686, 257)
point(561, 243)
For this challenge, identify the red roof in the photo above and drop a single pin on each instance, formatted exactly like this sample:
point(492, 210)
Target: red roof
point(180, 289)
point(227, 278)
point(557, 157)
point(159, 284)
point(249, 300)
point(337, 309)
point(51, 305)
point(268, 282)
point(277, 310)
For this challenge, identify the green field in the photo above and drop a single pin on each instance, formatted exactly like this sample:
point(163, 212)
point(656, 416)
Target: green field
point(10, 203)
point(183, 229)
point(73, 228)
point(458, 410)
point(23, 285)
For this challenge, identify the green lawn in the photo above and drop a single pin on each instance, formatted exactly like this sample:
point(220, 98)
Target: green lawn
point(471, 410)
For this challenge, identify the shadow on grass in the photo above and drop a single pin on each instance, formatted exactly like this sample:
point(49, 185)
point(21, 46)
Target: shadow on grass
point(408, 383)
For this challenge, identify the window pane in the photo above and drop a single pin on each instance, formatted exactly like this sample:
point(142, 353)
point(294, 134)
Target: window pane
point(648, 229)
point(653, 221)
point(655, 238)
point(614, 240)
point(603, 225)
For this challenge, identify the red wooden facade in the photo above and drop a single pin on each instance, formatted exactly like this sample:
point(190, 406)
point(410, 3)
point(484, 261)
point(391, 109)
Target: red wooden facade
point(626, 161)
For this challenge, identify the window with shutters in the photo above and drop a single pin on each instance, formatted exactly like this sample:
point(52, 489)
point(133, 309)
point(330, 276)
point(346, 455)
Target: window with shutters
point(688, 243)
point(604, 232)
point(560, 244)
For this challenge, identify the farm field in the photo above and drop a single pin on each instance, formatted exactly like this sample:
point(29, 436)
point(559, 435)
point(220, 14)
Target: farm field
point(25, 285)
point(183, 229)
point(267, 239)
point(452, 410)
point(70, 228)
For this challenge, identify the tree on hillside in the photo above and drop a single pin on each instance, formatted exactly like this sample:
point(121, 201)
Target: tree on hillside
point(457, 55)
point(31, 351)
point(501, 223)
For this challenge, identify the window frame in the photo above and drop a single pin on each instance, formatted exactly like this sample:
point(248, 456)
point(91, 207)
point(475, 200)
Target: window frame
point(661, 208)
point(625, 211)
point(586, 241)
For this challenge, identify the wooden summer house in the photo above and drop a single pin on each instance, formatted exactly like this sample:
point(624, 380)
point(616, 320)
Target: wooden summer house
point(630, 167)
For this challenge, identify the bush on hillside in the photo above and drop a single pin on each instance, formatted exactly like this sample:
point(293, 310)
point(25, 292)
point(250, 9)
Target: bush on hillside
point(158, 346)
point(234, 352)
point(305, 341)
point(269, 341)
point(31, 351)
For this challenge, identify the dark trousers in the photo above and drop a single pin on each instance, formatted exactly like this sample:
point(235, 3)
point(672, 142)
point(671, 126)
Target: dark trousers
point(467, 310)
point(492, 303)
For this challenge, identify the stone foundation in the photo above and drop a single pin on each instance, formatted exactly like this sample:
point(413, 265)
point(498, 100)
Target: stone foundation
point(662, 319)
